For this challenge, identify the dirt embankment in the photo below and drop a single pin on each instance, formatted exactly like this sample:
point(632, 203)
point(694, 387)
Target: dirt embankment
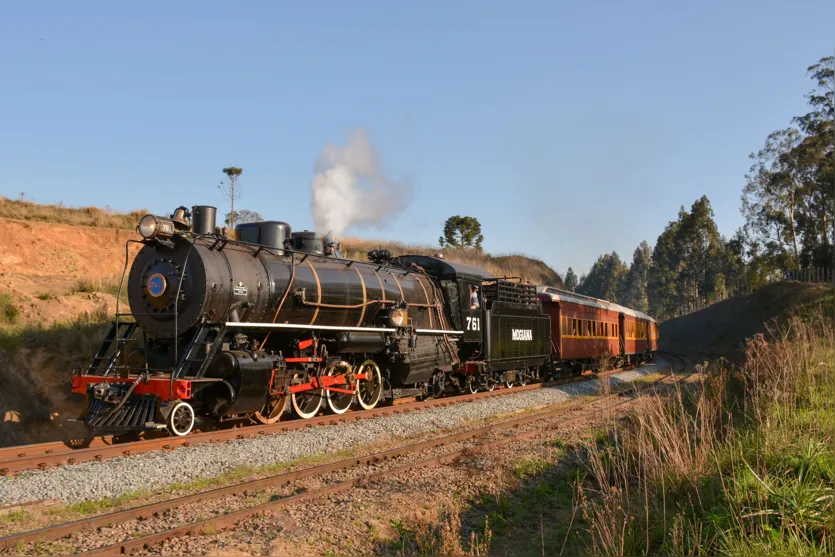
point(53, 275)
point(44, 265)
point(722, 329)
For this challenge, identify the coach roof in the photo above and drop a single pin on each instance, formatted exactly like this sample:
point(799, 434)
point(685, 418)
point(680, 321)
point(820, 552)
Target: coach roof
point(551, 294)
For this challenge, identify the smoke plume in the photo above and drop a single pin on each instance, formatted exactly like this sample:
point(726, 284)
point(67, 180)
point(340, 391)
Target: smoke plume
point(351, 190)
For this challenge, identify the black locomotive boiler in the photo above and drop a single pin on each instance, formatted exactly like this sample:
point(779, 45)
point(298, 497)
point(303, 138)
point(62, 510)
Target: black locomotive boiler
point(269, 320)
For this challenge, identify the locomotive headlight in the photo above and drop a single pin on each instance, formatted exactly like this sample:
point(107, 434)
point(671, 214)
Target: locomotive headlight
point(152, 226)
point(399, 317)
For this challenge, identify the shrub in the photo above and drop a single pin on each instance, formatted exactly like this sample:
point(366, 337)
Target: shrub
point(9, 312)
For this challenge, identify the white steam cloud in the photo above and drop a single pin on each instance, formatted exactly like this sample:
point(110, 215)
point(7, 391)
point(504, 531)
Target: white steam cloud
point(351, 190)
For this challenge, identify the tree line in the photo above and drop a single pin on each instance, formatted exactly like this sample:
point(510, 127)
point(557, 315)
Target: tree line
point(788, 202)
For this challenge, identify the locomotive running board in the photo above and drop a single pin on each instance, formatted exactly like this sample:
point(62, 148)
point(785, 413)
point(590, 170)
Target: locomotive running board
point(232, 324)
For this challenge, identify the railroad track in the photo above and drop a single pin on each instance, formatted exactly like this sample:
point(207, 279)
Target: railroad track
point(684, 361)
point(587, 410)
point(43, 455)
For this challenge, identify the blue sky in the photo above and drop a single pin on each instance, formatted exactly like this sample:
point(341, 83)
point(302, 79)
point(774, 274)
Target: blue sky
point(567, 129)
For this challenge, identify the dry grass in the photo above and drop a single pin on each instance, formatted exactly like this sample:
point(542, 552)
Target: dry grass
point(84, 216)
point(438, 532)
point(108, 285)
point(743, 465)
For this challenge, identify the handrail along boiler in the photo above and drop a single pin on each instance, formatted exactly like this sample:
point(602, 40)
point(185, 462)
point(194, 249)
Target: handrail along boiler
point(266, 320)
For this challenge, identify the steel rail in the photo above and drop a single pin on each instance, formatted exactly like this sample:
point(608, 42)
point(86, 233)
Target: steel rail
point(61, 530)
point(43, 455)
point(218, 522)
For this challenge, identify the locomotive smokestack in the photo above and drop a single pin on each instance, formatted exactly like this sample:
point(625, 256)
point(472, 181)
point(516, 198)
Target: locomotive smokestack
point(203, 219)
point(351, 189)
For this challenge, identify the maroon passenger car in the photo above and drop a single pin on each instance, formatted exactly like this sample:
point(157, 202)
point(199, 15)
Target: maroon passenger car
point(584, 329)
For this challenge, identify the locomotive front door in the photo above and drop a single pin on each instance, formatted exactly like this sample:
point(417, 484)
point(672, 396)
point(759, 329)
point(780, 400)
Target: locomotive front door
point(472, 311)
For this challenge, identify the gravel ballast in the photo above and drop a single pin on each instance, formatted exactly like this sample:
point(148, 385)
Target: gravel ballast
point(123, 475)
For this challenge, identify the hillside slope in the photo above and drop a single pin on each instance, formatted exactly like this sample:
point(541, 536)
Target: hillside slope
point(721, 329)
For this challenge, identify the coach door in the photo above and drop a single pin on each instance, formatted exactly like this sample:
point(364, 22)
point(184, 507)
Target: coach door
point(472, 311)
point(622, 334)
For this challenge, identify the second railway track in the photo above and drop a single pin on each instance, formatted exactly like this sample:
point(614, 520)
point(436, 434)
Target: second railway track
point(571, 413)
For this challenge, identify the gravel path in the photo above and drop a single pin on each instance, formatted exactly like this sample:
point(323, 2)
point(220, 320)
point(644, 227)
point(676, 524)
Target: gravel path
point(119, 476)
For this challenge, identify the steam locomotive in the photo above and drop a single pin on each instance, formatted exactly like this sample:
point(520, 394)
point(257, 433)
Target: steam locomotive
point(266, 320)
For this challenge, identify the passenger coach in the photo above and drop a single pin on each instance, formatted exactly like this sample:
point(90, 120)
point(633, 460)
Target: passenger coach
point(584, 328)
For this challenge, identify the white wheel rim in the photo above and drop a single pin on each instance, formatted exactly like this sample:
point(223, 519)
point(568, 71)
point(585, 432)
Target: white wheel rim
point(473, 386)
point(173, 426)
point(508, 384)
point(370, 367)
point(334, 398)
point(491, 386)
point(303, 404)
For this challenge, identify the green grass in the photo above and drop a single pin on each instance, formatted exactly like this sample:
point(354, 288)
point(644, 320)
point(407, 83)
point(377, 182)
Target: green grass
point(98, 506)
point(45, 296)
point(67, 339)
point(527, 468)
point(538, 513)
point(90, 285)
point(16, 516)
point(236, 475)
point(9, 312)
point(744, 465)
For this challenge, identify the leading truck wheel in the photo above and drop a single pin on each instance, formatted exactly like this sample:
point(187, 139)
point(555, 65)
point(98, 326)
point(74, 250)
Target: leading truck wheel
point(180, 420)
